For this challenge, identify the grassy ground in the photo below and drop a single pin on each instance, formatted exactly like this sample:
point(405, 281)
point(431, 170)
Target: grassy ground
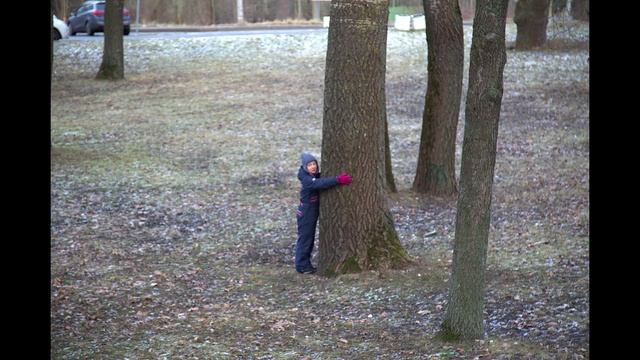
point(173, 216)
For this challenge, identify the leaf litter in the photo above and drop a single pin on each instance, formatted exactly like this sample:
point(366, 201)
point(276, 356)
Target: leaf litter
point(173, 197)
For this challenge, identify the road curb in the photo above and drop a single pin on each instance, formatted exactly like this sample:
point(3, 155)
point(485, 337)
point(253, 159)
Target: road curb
point(236, 28)
point(221, 28)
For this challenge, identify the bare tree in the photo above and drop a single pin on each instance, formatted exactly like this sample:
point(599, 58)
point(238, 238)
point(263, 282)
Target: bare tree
point(580, 9)
point(390, 183)
point(240, 11)
point(213, 12)
point(299, 10)
point(51, 48)
point(464, 314)
point(112, 67)
point(436, 173)
point(179, 5)
point(531, 18)
point(558, 6)
point(357, 231)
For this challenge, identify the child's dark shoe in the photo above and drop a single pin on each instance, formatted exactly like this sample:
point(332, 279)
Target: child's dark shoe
point(307, 271)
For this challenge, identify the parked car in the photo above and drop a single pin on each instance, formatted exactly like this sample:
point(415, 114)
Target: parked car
point(89, 18)
point(60, 29)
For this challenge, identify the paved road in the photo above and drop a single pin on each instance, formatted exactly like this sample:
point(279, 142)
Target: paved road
point(193, 34)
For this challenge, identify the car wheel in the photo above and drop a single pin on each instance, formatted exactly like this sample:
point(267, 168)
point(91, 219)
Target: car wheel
point(56, 34)
point(89, 31)
point(127, 31)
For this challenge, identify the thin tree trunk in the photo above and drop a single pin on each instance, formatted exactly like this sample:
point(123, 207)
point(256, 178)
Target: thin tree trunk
point(299, 10)
point(390, 183)
point(357, 231)
point(315, 12)
point(112, 67)
point(580, 10)
point(213, 12)
point(283, 9)
point(558, 6)
point(436, 173)
point(180, 11)
point(531, 18)
point(51, 66)
point(51, 48)
point(464, 314)
point(240, 11)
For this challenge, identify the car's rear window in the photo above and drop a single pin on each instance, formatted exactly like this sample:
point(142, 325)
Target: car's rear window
point(100, 6)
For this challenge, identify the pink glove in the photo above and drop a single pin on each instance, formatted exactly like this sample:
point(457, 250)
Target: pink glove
point(344, 179)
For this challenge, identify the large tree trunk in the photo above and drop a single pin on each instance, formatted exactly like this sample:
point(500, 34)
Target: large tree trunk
point(436, 173)
point(357, 231)
point(112, 67)
point(580, 10)
point(463, 317)
point(531, 18)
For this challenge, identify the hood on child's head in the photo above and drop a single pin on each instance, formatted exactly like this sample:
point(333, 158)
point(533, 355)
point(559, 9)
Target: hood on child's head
point(306, 158)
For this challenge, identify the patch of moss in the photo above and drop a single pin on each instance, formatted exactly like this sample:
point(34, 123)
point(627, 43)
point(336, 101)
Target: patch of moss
point(387, 249)
point(350, 265)
point(330, 273)
point(447, 334)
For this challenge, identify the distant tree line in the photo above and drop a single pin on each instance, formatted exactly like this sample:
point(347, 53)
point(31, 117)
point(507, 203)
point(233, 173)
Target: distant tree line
point(207, 12)
point(212, 12)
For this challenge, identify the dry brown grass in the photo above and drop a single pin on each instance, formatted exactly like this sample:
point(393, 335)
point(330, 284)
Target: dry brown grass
point(173, 197)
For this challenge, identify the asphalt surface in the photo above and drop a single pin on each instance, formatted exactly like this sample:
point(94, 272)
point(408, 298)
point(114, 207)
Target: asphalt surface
point(225, 28)
point(171, 33)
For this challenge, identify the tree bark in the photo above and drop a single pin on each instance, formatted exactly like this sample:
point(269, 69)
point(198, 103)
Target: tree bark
point(51, 49)
point(390, 183)
point(464, 314)
point(357, 231)
point(436, 173)
point(580, 10)
point(299, 10)
point(558, 6)
point(112, 67)
point(213, 12)
point(284, 9)
point(240, 11)
point(179, 4)
point(531, 18)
